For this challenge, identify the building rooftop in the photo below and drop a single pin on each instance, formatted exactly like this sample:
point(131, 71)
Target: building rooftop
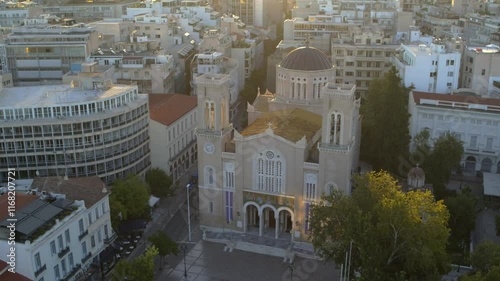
point(291, 124)
point(53, 95)
point(457, 101)
point(6, 275)
point(21, 201)
point(261, 103)
point(168, 108)
point(89, 189)
point(308, 59)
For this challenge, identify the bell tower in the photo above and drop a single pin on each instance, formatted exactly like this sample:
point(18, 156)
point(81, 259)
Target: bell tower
point(340, 136)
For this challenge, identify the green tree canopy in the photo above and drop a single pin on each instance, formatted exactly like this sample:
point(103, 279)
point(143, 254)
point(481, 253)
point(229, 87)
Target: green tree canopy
point(164, 243)
point(394, 233)
point(463, 210)
point(160, 183)
point(129, 196)
point(486, 256)
point(385, 123)
point(446, 155)
point(140, 269)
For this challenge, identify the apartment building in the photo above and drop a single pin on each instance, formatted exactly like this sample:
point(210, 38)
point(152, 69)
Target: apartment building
point(430, 68)
point(13, 13)
point(472, 119)
point(85, 11)
point(90, 127)
point(249, 53)
point(62, 227)
point(481, 70)
point(41, 54)
point(173, 139)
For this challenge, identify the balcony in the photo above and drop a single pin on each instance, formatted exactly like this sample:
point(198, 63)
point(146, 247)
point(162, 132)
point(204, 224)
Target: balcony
point(40, 270)
point(63, 252)
point(86, 258)
point(83, 234)
point(72, 273)
point(110, 240)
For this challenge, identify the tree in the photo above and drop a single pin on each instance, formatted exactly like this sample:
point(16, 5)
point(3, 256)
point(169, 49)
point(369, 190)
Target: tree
point(395, 235)
point(446, 155)
point(462, 221)
point(160, 183)
point(486, 256)
point(129, 196)
point(385, 122)
point(140, 269)
point(165, 244)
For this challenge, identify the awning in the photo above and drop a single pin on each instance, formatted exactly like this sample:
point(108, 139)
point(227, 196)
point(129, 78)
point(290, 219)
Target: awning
point(153, 201)
point(491, 183)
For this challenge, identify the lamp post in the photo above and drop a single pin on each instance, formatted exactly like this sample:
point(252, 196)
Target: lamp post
point(292, 267)
point(184, 248)
point(188, 187)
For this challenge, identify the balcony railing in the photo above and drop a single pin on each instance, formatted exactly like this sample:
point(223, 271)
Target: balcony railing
point(86, 258)
point(85, 233)
point(110, 239)
point(63, 252)
point(40, 270)
point(72, 273)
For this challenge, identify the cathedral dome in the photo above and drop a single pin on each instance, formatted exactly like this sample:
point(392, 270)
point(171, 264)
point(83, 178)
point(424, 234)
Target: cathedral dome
point(308, 59)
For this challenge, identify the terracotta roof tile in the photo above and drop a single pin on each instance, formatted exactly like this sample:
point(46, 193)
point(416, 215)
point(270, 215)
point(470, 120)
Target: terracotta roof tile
point(455, 98)
point(6, 275)
point(88, 189)
point(291, 124)
point(167, 108)
point(21, 201)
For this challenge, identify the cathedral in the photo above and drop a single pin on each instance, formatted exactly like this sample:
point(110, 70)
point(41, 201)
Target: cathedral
point(300, 143)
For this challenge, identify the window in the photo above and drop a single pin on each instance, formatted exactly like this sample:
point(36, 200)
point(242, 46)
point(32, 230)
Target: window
point(269, 172)
point(106, 231)
point(60, 242)
point(473, 141)
point(84, 248)
point(483, 71)
point(229, 175)
point(53, 247)
point(80, 223)
point(211, 207)
point(99, 235)
point(90, 218)
point(310, 192)
point(63, 267)
point(92, 241)
point(57, 274)
point(335, 127)
point(450, 73)
point(70, 260)
point(67, 236)
point(489, 143)
point(38, 261)
point(229, 206)
point(209, 175)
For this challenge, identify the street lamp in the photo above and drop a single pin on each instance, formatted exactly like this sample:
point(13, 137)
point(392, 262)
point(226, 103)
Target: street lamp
point(292, 267)
point(183, 249)
point(188, 187)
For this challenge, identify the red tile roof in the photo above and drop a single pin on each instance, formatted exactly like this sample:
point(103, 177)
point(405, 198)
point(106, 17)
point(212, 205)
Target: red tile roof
point(21, 201)
point(6, 275)
point(168, 108)
point(454, 98)
point(89, 189)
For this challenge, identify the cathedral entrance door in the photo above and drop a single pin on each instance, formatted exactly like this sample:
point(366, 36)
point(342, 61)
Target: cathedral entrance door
point(288, 223)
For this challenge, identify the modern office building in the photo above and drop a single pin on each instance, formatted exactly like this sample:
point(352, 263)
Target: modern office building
point(41, 54)
point(62, 226)
point(90, 127)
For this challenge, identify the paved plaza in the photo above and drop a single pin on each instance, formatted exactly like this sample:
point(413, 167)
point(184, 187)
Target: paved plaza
point(207, 261)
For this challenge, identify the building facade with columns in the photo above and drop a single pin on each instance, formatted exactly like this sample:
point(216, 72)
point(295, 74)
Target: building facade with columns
point(301, 142)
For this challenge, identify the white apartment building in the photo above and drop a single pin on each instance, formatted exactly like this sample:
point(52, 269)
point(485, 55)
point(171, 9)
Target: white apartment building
point(429, 68)
point(41, 54)
point(13, 14)
point(90, 127)
point(85, 11)
point(249, 53)
point(481, 70)
point(151, 71)
point(62, 229)
point(472, 119)
point(173, 139)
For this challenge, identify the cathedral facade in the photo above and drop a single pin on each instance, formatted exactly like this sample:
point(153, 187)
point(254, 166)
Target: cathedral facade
point(301, 142)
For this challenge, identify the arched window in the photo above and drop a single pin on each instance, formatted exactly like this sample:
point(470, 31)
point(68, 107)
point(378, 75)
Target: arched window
point(314, 91)
point(209, 176)
point(269, 172)
point(310, 188)
point(298, 90)
point(330, 188)
point(335, 127)
point(304, 91)
point(293, 90)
